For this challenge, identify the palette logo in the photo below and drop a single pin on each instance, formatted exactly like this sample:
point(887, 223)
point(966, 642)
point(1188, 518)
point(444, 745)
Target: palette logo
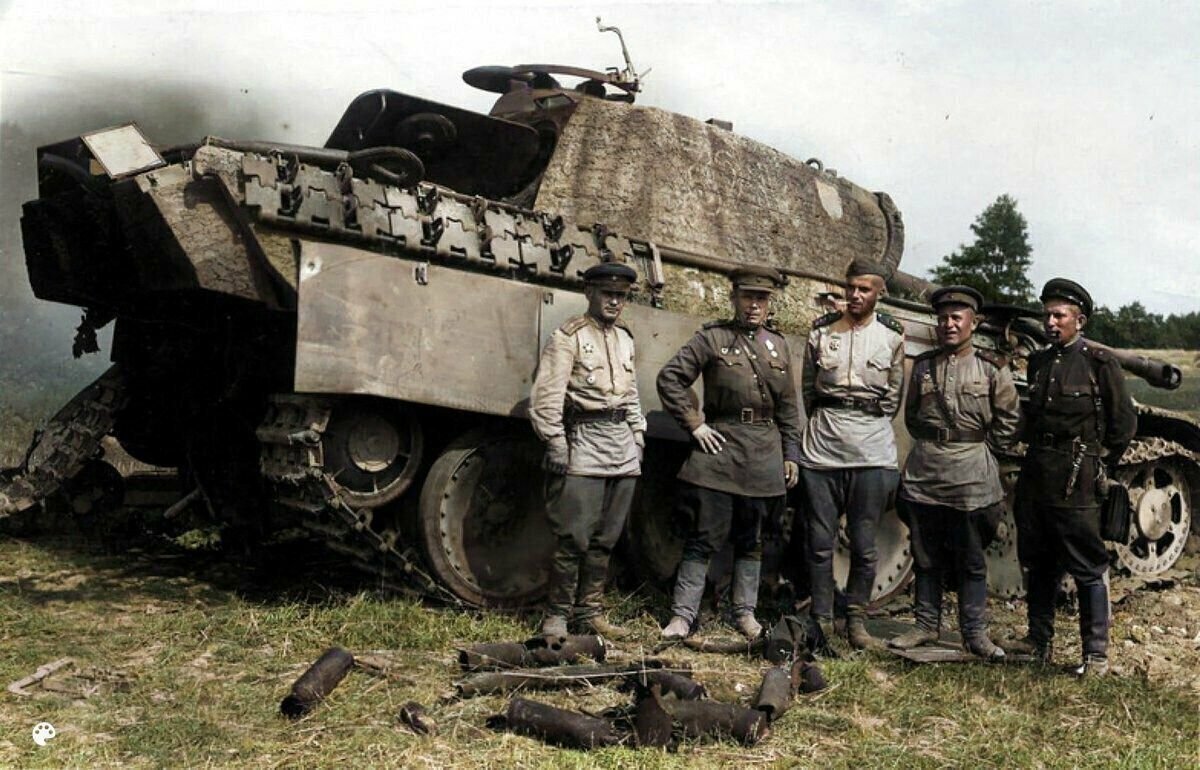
point(43, 733)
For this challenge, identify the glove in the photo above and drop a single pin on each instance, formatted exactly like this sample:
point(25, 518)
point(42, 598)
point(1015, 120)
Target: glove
point(791, 473)
point(709, 439)
point(558, 455)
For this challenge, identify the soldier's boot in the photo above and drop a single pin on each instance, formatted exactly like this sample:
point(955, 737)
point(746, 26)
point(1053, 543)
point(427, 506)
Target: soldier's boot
point(927, 612)
point(972, 619)
point(823, 636)
point(1041, 651)
point(601, 625)
point(856, 629)
point(554, 626)
point(745, 597)
point(1042, 587)
point(685, 603)
point(1093, 629)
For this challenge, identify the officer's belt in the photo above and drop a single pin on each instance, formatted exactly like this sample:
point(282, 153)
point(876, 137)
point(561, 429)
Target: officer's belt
point(596, 415)
point(869, 405)
point(1065, 443)
point(747, 416)
point(930, 433)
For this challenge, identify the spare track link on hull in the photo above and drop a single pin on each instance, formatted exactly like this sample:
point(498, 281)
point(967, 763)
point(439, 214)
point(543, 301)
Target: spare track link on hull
point(68, 441)
point(293, 460)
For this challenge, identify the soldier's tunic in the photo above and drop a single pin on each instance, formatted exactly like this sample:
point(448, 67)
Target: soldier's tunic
point(853, 377)
point(750, 398)
point(1078, 404)
point(585, 393)
point(951, 489)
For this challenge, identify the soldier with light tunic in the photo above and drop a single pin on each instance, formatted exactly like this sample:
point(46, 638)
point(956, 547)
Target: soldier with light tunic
point(743, 459)
point(853, 373)
point(584, 406)
point(962, 408)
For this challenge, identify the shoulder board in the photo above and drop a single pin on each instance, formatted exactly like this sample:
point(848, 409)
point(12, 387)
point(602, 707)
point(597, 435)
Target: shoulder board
point(928, 354)
point(890, 322)
point(992, 357)
point(715, 324)
point(826, 319)
point(620, 324)
point(1100, 354)
point(772, 326)
point(572, 325)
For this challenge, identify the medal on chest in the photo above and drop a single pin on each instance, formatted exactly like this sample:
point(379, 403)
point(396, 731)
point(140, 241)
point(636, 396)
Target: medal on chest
point(771, 348)
point(835, 343)
point(589, 347)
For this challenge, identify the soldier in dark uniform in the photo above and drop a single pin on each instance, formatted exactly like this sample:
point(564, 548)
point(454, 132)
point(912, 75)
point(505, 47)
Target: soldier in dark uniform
point(584, 405)
point(746, 444)
point(1078, 422)
point(961, 408)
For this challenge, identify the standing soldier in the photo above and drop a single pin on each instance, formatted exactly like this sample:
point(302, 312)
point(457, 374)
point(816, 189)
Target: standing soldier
point(961, 408)
point(853, 373)
point(1077, 406)
point(584, 405)
point(744, 458)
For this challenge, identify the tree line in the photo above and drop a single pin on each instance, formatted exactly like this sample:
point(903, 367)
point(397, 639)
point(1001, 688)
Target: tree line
point(997, 265)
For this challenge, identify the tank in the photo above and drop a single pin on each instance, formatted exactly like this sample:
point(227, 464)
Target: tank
point(343, 338)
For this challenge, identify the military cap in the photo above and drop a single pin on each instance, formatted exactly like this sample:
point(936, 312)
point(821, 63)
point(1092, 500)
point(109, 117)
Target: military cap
point(1063, 288)
point(956, 295)
point(860, 266)
point(613, 275)
point(758, 277)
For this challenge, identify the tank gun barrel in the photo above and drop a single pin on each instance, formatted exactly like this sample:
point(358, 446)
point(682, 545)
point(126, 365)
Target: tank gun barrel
point(1159, 374)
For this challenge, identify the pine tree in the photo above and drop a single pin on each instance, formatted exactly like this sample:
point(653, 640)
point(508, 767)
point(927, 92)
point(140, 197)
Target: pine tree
point(997, 262)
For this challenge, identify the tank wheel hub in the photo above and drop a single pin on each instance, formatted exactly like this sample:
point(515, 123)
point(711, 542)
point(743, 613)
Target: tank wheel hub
point(373, 443)
point(1154, 513)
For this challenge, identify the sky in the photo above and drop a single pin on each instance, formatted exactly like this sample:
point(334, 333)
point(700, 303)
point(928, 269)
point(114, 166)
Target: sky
point(1087, 113)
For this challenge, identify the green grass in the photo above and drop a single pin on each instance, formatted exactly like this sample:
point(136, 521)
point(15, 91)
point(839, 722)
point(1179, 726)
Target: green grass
point(210, 647)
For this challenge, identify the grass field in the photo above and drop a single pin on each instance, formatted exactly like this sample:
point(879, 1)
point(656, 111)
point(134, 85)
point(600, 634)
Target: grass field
point(210, 645)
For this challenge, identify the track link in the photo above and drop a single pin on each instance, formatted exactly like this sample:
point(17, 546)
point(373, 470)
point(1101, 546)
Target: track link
point(59, 450)
point(293, 461)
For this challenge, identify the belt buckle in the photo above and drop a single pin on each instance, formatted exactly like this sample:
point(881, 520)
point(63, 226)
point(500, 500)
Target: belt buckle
point(618, 415)
point(943, 434)
point(748, 415)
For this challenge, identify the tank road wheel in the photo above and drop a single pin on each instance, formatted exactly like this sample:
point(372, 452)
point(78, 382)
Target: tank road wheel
point(1161, 496)
point(483, 525)
point(373, 449)
point(893, 571)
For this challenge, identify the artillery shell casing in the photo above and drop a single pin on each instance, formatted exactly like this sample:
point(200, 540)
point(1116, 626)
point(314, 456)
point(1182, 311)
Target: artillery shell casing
point(682, 687)
point(317, 682)
point(560, 727)
point(700, 718)
point(807, 677)
point(775, 693)
point(482, 657)
point(569, 650)
point(534, 652)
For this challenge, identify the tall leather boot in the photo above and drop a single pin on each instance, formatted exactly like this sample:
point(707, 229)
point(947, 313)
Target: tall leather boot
point(972, 619)
point(745, 597)
point(856, 629)
point(927, 612)
point(1039, 597)
point(1093, 628)
point(685, 605)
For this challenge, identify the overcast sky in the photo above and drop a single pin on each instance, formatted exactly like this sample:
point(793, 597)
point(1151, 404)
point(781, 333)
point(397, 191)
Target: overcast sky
point(1087, 113)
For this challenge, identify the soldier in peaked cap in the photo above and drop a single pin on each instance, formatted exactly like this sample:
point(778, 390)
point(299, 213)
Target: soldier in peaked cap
point(1078, 421)
point(853, 373)
point(584, 405)
point(746, 440)
point(962, 408)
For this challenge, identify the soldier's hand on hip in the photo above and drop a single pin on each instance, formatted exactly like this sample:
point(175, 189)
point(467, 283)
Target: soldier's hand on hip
point(709, 439)
point(558, 456)
point(791, 473)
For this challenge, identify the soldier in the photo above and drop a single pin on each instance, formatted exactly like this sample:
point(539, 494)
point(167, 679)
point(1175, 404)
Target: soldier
point(744, 458)
point(853, 373)
point(1078, 405)
point(584, 405)
point(961, 408)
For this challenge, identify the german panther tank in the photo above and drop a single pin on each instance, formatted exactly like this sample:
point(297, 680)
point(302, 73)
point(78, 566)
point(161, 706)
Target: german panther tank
point(343, 338)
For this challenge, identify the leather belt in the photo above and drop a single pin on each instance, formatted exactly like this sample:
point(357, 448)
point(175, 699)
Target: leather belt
point(1052, 441)
point(597, 415)
point(930, 433)
point(747, 416)
point(869, 405)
